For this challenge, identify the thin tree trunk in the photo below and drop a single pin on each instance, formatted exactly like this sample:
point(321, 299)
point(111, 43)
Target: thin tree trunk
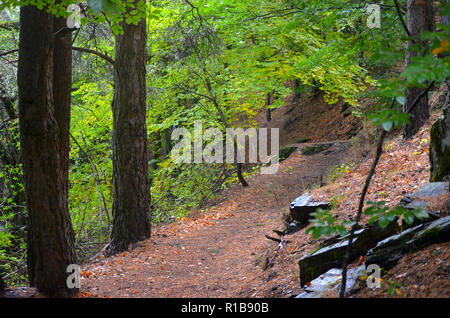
point(50, 235)
point(296, 90)
point(2, 283)
point(131, 187)
point(420, 17)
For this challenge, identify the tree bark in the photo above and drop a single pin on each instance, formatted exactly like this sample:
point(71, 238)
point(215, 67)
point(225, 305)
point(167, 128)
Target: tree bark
point(62, 87)
point(268, 110)
point(50, 235)
point(420, 17)
point(2, 283)
point(131, 187)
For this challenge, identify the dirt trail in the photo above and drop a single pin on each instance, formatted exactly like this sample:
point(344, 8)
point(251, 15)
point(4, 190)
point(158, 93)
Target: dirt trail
point(219, 253)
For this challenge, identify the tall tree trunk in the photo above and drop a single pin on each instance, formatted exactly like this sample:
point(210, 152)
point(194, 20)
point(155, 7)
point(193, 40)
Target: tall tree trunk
point(131, 202)
point(50, 235)
point(62, 87)
point(420, 17)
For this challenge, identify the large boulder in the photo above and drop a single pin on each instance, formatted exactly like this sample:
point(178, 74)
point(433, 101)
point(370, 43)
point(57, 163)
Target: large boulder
point(302, 207)
point(440, 148)
point(331, 256)
point(330, 281)
point(388, 252)
point(422, 199)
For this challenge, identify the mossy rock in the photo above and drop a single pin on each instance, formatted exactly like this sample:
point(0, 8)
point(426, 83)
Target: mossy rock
point(314, 149)
point(319, 261)
point(388, 252)
point(285, 152)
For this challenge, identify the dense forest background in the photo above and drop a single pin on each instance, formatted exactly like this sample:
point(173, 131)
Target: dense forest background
point(147, 67)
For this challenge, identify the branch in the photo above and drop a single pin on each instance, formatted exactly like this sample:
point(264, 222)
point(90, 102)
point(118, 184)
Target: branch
point(8, 52)
point(348, 252)
point(194, 8)
point(81, 49)
point(10, 26)
point(416, 101)
point(397, 6)
point(103, 56)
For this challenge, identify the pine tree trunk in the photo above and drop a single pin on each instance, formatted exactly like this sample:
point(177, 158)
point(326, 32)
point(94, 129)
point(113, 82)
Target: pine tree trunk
point(62, 86)
point(420, 17)
point(50, 235)
point(131, 202)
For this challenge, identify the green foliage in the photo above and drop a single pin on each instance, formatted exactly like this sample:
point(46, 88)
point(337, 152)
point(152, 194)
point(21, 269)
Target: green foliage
point(380, 212)
point(325, 224)
point(12, 211)
point(389, 118)
point(178, 188)
point(90, 192)
point(338, 171)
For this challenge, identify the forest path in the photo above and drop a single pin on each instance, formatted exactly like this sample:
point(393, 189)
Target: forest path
point(219, 253)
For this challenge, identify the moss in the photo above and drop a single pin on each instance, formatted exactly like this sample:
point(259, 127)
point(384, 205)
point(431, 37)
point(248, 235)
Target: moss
point(311, 150)
point(285, 152)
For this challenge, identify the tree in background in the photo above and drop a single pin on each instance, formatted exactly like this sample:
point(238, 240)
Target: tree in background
point(420, 18)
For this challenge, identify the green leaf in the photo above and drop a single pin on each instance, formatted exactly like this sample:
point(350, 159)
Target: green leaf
point(409, 218)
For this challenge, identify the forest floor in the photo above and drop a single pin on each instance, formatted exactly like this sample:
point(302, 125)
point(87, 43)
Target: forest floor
point(224, 252)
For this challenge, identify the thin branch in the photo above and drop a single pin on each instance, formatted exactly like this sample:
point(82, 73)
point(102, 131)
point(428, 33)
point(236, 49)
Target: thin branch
point(103, 56)
point(194, 8)
point(348, 253)
point(397, 6)
point(10, 26)
point(8, 52)
point(76, 48)
point(419, 97)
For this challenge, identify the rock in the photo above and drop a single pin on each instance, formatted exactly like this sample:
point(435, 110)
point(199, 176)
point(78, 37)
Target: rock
point(292, 227)
point(314, 149)
point(432, 190)
point(387, 253)
point(440, 148)
point(331, 281)
point(285, 152)
point(420, 198)
point(302, 207)
point(332, 256)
